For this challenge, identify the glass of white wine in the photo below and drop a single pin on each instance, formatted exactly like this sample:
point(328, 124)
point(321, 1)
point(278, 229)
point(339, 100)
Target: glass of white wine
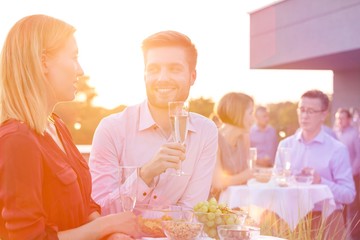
point(179, 114)
point(285, 157)
point(282, 168)
point(128, 187)
point(252, 157)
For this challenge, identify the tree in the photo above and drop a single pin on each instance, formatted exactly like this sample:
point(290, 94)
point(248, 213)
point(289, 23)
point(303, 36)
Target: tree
point(85, 93)
point(202, 106)
point(283, 118)
point(80, 116)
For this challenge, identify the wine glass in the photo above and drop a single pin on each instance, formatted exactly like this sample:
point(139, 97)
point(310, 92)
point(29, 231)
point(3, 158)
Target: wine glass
point(282, 168)
point(284, 157)
point(252, 158)
point(179, 114)
point(128, 180)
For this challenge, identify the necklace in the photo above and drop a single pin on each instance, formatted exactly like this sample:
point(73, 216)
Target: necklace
point(51, 130)
point(51, 120)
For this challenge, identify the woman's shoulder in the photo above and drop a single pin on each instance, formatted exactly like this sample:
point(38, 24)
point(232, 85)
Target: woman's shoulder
point(17, 136)
point(14, 127)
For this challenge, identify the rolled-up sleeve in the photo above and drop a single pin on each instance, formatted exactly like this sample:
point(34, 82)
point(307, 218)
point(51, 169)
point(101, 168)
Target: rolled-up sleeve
point(104, 162)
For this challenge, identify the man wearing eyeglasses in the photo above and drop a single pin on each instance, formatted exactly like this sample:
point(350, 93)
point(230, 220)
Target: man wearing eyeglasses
point(328, 159)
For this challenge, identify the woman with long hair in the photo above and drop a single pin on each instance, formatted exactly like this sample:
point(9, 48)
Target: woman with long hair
point(235, 111)
point(45, 184)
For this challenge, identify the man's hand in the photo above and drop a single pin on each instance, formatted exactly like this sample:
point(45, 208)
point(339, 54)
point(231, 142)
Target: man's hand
point(168, 156)
point(311, 171)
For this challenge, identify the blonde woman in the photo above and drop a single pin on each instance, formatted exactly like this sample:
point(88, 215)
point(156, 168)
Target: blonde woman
point(45, 184)
point(235, 111)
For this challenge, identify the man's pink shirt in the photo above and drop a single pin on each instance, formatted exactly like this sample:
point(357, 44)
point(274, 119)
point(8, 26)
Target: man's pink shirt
point(130, 138)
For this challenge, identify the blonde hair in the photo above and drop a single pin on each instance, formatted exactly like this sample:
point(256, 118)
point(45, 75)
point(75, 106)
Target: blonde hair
point(23, 85)
point(232, 106)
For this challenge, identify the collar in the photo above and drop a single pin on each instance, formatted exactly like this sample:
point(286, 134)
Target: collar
point(146, 121)
point(320, 138)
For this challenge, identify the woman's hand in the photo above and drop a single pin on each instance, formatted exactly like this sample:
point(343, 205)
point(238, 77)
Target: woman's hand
point(119, 236)
point(122, 226)
point(125, 223)
point(247, 174)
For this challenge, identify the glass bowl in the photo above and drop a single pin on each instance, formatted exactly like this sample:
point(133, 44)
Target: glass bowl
point(282, 177)
point(302, 179)
point(150, 218)
point(237, 232)
point(262, 174)
point(212, 220)
point(182, 229)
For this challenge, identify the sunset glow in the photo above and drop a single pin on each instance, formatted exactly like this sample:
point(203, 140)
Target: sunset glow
point(109, 35)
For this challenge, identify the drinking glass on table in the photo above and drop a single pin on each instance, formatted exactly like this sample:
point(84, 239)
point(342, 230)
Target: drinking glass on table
point(282, 168)
point(285, 157)
point(252, 158)
point(128, 187)
point(179, 114)
point(304, 176)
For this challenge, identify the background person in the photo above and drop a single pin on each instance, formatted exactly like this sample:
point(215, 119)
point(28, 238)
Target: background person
point(312, 148)
point(45, 184)
point(355, 113)
point(235, 111)
point(349, 135)
point(141, 134)
point(264, 138)
point(329, 131)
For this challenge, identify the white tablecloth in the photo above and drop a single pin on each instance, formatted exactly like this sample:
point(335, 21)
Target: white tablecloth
point(290, 203)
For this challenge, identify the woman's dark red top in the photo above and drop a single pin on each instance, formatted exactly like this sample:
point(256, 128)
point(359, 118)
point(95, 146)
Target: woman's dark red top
point(43, 190)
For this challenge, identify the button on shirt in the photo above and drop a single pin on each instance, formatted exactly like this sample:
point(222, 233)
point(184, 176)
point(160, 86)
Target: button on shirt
point(131, 137)
point(329, 158)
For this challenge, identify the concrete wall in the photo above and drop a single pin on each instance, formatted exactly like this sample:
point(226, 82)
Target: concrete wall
point(347, 89)
point(311, 34)
point(306, 34)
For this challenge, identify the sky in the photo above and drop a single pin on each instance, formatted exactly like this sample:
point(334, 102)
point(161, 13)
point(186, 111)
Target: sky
point(110, 32)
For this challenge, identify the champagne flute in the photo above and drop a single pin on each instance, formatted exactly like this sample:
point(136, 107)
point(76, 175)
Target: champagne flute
point(252, 157)
point(179, 114)
point(128, 181)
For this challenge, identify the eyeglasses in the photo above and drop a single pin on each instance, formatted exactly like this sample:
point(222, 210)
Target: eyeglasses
point(308, 111)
